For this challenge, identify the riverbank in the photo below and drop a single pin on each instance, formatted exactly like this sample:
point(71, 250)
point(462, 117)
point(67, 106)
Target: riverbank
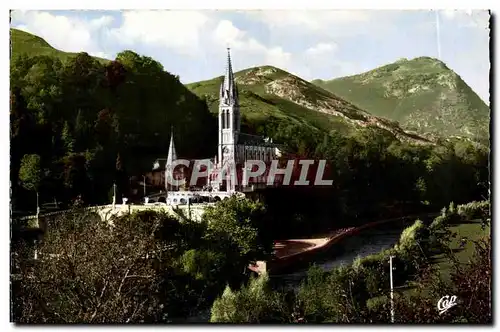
point(288, 253)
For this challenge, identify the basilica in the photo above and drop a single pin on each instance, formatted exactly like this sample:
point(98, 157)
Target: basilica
point(234, 147)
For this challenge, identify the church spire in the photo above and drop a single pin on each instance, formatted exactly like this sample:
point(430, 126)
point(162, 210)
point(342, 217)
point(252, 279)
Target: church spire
point(228, 90)
point(172, 154)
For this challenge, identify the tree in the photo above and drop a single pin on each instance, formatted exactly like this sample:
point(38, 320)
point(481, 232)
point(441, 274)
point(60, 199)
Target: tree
point(75, 174)
point(21, 132)
point(135, 279)
point(242, 223)
point(256, 302)
point(115, 75)
point(75, 281)
point(154, 269)
point(30, 173)
point(67, 138)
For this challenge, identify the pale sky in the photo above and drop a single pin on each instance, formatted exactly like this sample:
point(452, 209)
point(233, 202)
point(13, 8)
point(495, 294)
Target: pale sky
point(311, 44)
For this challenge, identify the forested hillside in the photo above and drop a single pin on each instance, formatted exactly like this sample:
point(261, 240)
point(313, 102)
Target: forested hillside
point(91, 124)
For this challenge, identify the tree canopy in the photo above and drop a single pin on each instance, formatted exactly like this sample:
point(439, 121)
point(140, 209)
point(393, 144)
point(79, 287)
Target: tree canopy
point(78, 115)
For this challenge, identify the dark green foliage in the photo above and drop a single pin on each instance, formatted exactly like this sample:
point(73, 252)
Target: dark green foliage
point(78, 115)
point(146, 267)
point(374, 176)
point(243, 222)
point(30, 173)
point(253, 303)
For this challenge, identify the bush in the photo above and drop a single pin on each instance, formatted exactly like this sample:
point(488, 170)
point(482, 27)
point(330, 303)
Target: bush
point(378, 303)
point(312, 295)
point(337, 296)
point(373, 270)
point(253, 303)
point(89, 272)
point(410, 236)
point(201, 264)
point(474, 210)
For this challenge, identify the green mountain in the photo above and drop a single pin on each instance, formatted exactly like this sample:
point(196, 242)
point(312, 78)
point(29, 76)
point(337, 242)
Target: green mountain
point(22, 42)
point(422, 94)
point(265, 93)
point(271, 93)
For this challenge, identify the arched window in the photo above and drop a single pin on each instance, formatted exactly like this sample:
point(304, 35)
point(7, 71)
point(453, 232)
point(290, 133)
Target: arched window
point(223, 119)
point(228, 121)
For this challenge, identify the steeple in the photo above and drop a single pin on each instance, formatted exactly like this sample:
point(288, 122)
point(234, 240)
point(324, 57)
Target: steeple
point(229, 116)
point(172, 154)
point(228, 90)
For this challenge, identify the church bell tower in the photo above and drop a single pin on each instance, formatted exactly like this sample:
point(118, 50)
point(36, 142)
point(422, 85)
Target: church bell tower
point(229, 116)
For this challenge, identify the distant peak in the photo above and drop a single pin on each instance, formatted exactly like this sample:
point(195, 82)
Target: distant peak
point(427, 59)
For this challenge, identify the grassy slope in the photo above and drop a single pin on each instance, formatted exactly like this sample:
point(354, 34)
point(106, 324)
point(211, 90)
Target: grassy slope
point(472, 231)
point(421, 94)
point(257, 105)
point(25, 43)
point(271, 92)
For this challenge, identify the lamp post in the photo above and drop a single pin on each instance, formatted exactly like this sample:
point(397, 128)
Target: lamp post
point(144, 184)
point(37, 208)
point(114, 195)
point(392, 289)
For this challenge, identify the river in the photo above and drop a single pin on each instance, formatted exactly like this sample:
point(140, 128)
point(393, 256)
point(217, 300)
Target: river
point(365, 243)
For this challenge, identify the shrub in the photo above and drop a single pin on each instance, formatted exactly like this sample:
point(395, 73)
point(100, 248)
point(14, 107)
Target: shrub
point(378, 303)
point(408, 239)
point(88, 272)
point(320, 295)
point(253, 303)
point(201, 264)
point(373, 270)
point(474, 210)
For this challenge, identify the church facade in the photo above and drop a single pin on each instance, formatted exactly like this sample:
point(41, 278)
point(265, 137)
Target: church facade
point(234, 147)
